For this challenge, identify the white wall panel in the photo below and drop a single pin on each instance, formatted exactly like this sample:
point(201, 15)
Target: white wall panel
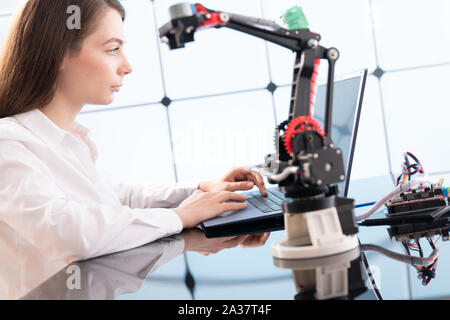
point(412, 32)
point(417, 114)
point(211, 135)
point(133, 144)
point(219, 60)
point(9, 5)
point(5, 22)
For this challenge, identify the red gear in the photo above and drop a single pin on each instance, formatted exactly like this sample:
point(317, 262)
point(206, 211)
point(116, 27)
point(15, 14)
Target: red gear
point(298, 125)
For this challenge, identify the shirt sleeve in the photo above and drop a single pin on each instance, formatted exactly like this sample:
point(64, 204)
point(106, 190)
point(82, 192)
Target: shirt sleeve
point(63, 229)
point(150, 195)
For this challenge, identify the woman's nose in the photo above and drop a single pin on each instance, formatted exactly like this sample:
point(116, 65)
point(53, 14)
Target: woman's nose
point(126, 67)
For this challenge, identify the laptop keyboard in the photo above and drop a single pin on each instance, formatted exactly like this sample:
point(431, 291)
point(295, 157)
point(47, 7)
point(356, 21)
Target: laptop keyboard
point(270, 203)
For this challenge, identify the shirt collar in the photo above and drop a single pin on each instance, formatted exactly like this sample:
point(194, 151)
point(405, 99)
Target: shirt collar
point(38, 123)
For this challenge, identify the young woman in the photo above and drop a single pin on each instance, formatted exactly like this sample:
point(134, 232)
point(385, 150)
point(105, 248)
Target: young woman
point(52, 194)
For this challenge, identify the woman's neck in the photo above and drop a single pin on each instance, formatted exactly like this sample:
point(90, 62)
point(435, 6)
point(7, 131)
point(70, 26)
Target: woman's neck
point(61, 112)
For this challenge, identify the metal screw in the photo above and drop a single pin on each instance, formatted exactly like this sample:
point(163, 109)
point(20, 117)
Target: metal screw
point(341, 177)
point(315, 156)
point(311, 43)
point(338, 151)
point(225, 17)
point(319, 182)
point(328, 167)
point(333, 53)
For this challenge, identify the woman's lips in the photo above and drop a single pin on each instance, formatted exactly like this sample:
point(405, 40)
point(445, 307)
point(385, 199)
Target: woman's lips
point(116, 88)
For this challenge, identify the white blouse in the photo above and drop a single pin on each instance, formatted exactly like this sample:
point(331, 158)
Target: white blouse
point(55, 198)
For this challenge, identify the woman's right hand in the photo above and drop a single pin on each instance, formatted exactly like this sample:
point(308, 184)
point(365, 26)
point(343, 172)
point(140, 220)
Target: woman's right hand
point(201, 206)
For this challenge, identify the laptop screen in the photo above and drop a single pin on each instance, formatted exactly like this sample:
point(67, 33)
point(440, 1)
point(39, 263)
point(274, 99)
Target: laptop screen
point(347, 100)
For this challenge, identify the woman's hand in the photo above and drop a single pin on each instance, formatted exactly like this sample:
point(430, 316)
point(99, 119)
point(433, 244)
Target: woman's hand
point(255, 240)
point(195, 240)
point(237, 178)
point(201, 206)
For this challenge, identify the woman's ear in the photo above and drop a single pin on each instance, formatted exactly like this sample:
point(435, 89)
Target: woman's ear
point(65, 61)
point(63, 64)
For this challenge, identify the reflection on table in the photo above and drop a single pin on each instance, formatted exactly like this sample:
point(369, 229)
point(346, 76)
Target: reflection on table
point(112, 275)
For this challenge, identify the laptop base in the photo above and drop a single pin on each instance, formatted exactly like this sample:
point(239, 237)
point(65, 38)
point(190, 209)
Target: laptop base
point(268, 224)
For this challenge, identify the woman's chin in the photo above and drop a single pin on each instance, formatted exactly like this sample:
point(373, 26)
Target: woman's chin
point(110, 99)
point(105, 101)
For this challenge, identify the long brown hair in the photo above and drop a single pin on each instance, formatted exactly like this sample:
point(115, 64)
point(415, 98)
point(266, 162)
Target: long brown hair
point(36, 44)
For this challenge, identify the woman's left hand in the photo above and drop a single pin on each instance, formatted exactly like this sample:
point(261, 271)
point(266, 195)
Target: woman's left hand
point(238, 178)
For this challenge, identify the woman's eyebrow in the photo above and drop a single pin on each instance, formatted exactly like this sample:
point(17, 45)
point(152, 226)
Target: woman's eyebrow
point(119, 41)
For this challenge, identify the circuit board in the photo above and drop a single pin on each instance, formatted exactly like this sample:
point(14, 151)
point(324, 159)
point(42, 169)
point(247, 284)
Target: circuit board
point(420, 230)
point(414, 202)
point(411, 201)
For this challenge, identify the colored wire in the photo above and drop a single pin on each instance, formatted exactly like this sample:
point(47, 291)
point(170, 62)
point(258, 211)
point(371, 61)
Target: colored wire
point(364, 204)
point(409, 169)
point(399, 189)
point(427, 272)
point(415, 261)
point(278, 177)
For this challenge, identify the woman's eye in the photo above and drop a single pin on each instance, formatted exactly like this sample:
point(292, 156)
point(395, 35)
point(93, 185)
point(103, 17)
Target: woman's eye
point(114, 50)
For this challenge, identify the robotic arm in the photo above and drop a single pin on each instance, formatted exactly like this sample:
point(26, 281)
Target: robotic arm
point(303, 134)
point(306, 164)
point(188, 19)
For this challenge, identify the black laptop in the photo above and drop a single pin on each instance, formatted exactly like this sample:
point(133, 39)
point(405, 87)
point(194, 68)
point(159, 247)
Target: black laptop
point(264, 214)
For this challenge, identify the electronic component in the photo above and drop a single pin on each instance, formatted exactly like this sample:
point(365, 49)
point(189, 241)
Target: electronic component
point(405, 204)
point(416, 200)
point(295, 18)
point(413, 214)
point(425, 272)
point(421, 230)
